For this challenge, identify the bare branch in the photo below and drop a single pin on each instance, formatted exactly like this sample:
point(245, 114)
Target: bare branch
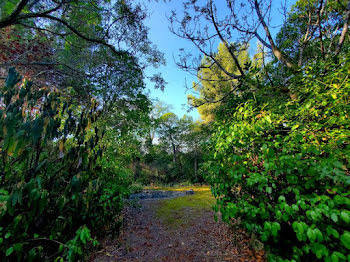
point(278, 54)
point(344, 31)
point(305, 40)
point(234, 57)
point(44, 29)
point(211, 56)
point(320, 27)
point(220, 99)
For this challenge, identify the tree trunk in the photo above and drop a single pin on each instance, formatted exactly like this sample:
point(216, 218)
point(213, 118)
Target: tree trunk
point(195, 165)
point(174, 153)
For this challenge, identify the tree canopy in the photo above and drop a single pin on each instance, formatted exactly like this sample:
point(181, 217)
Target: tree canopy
point(79, 134)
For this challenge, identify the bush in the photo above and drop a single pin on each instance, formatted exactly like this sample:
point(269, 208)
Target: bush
point(54, 187)
point(281, 165)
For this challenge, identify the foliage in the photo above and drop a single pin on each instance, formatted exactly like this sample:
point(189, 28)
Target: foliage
point(213, 83)
point(172, 149)
point(54, 184)
point(300, 35)
point(110, 49)
point(279, 161)
point(280, 164)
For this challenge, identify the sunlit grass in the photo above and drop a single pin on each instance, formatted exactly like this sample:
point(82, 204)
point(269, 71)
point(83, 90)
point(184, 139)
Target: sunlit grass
point(182, 211)
point(179, 188)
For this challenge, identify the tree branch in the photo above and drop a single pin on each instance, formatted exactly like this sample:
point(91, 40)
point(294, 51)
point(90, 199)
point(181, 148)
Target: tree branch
point(233, 76)
point(219, 99)
point(16, 16)
point(89, 39)
point(344, 31)
point(278, 54)
point(320, 28)
point(234, 57)
point(13, 16)
point(305, 41)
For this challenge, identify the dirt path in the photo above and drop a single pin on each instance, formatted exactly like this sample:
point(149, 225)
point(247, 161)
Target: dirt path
point(147, 238)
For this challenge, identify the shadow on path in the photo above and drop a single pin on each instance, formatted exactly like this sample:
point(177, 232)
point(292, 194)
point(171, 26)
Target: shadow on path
point(146, 238)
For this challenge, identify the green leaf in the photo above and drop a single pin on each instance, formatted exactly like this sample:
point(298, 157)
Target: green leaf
point(9, 251)
point(313, 215)
point(278, 214)
point(334, 217)
point(60, 249)
point(268, 190)
point(14, 198)
point(311, 235)
point(345, 239)
point(336, 255)
point(295, 207)
point(333, 232)
point(334, 258)
point(267, 226)
point(319, 250)
point(318, 234)
point(345, 216)
point(281, 199)
point(275, 227)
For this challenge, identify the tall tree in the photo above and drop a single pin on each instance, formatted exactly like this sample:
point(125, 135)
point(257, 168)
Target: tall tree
point(326, 22)
point(214, 84)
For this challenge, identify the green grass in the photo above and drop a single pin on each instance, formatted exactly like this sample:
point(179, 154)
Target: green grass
point(196, 188)
point(181, 211)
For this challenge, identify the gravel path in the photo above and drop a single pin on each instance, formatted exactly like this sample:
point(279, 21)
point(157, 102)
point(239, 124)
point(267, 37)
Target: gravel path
point(145, 238)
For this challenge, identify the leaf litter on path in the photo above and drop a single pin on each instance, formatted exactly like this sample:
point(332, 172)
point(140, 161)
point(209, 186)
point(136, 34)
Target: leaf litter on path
point(164, 231)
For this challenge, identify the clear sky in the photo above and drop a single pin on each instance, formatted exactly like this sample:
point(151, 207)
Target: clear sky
point(175, 91)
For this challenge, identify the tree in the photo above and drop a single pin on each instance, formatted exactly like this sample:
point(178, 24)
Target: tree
point(195, 141)
point(158, 110)
point(308, 32)
point(170, 133)
point(278, 157)
point(18, 45)
point(277, 170)
point(214, 85)
point(69, 136)
point(115, 29)
point(244, 20)
point(50, 171)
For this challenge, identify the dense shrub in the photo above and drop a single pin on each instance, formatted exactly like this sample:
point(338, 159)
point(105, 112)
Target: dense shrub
point(56, 189)
point(280, 165)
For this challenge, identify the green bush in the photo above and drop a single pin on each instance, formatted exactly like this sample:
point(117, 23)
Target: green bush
point(54, 183)
point(281, 165)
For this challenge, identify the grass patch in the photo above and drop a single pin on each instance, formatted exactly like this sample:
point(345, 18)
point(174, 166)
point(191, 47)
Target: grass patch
point(196, 188)
point(181, 211)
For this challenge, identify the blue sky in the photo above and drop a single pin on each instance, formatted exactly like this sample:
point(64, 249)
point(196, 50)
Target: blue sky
point(175, 91)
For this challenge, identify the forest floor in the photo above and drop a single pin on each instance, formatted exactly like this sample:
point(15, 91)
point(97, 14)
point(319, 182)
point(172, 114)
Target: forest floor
point(181, 228)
